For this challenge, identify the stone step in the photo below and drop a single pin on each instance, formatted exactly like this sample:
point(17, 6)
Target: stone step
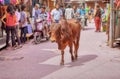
point(2, 42)
point(118, 39)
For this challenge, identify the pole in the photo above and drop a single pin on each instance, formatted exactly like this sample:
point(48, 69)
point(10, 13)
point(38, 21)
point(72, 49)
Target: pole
point(111, 29)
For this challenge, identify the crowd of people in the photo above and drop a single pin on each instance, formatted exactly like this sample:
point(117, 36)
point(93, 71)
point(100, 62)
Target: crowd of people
point(16, 19)
point(81, 13)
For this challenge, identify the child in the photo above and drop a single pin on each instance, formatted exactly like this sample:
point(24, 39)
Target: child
point(23, 23)
point(48, 18)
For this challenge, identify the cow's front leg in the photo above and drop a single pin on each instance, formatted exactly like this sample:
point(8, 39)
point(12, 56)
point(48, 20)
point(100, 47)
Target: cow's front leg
point(62, 58)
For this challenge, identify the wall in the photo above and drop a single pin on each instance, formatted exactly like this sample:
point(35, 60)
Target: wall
point(92, 4)
point(51, 4)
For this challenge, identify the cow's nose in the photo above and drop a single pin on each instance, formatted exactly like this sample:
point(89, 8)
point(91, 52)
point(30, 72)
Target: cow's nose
point(52, 40)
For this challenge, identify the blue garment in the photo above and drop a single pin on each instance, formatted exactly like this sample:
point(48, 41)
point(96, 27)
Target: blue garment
point(29, 28)
point(57, 21)
point(7, 2)
point(22, 19)
point(43, 16)
point(56, 14)
point(82, 12)
point(23, 34)
point(37, 13)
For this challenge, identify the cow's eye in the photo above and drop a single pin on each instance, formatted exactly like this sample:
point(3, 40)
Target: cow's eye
point(49, 32)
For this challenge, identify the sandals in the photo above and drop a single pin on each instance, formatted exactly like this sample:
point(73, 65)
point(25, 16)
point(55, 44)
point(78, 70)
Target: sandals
point(18, 47)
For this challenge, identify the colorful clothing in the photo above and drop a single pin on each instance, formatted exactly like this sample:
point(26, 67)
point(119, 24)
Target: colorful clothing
point(18, 17)
point(49, 18)
point(87, 9)
point(23, 19)
point(10, 20)
point(82, 12)
point(98, 19)
point(69, 13)
point(56, 14)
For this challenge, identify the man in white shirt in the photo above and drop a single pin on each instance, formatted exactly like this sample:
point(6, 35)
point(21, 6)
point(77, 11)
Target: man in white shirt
point(56, 14)
point(69, 12)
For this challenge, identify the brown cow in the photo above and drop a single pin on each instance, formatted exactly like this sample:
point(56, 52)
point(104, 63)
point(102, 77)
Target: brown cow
point(66, 33)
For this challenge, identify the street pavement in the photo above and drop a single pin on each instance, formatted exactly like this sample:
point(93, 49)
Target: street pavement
point(95, 61)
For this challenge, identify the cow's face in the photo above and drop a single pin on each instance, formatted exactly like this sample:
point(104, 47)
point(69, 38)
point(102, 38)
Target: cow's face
point(59, 33)
point(53, 36)
point(55, 32)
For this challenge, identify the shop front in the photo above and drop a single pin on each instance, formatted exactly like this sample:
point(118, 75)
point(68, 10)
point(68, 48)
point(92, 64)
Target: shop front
point(117, 22)
point(94, 2)
point(48, 3)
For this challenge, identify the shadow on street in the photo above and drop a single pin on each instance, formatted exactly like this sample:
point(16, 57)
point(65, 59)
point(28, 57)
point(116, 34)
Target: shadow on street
point(82, 59)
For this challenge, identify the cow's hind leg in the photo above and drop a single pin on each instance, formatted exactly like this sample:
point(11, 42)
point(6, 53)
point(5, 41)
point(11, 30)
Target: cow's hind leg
point(76, 46)
point(71, 52)
point(62, 58)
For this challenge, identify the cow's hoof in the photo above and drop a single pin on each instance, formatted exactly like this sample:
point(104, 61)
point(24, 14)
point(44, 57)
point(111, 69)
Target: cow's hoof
point(76, 58)
point(62, 63)
point(73, 60)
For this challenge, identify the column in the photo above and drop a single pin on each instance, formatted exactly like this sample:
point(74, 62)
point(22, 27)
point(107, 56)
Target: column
point(111, 29)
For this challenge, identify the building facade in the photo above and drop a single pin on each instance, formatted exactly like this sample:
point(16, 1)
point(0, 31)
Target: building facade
point(49, 3)
point(87, 2)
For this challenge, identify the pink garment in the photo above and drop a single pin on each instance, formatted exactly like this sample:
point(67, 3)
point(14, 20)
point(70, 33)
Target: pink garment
point(48, 17)
point(14, 1)
point(39, 26)
point(1, 0)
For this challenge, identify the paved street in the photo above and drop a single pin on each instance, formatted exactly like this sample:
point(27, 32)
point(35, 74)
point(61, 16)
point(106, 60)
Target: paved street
point(95, 61)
